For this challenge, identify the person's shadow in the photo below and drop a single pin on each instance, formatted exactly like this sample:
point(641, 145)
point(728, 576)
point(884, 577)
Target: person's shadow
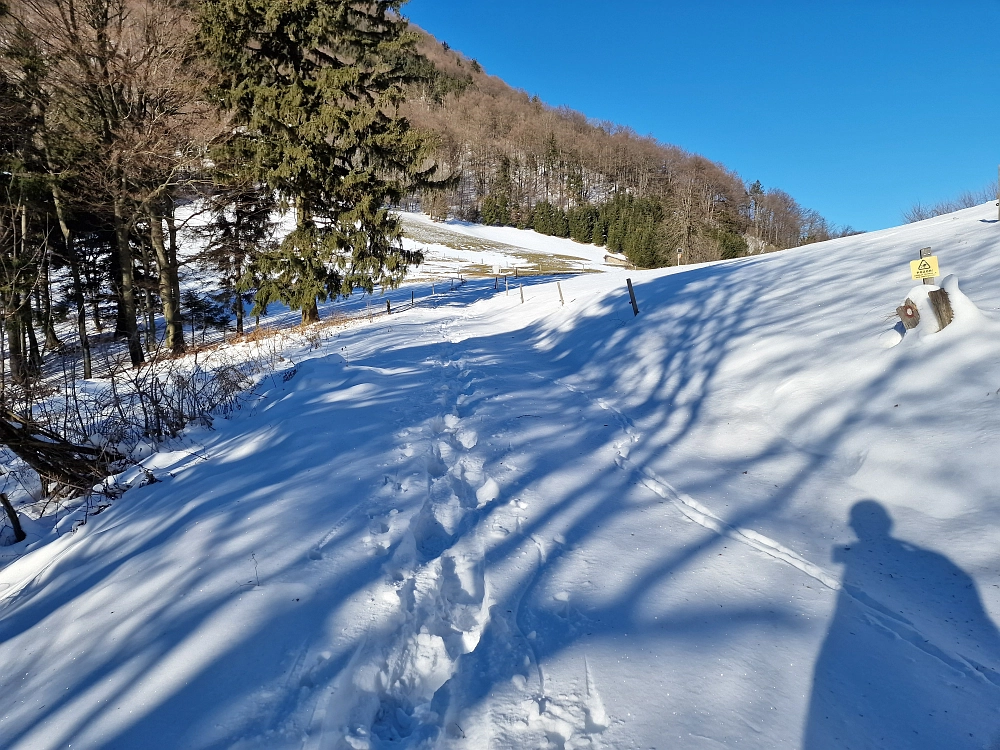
point(911, 658)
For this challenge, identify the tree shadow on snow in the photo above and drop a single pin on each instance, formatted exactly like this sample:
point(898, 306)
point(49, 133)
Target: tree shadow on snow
point(259, 679)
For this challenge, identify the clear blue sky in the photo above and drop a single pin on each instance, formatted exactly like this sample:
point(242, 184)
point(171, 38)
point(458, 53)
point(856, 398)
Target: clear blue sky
point(857, 109)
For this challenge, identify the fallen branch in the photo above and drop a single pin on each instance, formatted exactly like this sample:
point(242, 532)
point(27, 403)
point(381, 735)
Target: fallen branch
point(68, 466)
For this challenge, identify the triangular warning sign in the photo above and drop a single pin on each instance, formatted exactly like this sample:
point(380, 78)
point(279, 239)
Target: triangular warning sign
point(924, 268)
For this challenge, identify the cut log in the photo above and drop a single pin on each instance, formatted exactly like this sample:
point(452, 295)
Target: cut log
point(908, 313)
point(941, 304)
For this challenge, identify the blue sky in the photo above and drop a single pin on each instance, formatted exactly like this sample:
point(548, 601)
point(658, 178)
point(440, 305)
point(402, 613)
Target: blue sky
point(857, 109)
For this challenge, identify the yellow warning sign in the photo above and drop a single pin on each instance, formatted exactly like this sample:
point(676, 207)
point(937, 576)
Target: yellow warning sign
point(925, 268)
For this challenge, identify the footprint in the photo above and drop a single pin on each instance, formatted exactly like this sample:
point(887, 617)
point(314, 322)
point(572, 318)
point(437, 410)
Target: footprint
point(489, 492)
point(468, 438)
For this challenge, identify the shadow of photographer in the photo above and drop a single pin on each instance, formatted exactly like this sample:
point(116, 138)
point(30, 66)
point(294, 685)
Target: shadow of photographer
point(911, 657)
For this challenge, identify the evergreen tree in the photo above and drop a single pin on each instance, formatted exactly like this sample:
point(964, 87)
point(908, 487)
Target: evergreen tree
point(496, 210)
point(240, 229)
point(582, 221)
point(314, 85)
point(497, 205)
point(633, 226)
point(550, 220)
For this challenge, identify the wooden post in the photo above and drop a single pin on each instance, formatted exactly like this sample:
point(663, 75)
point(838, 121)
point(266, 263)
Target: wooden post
point(561, 300)
point(388, 308)
point(496, 283)
point(412, 298)
point(522, 293)
point(680, 254)
point(941, 305)
point(924, 253)
point(515, 272)
point(631, 296)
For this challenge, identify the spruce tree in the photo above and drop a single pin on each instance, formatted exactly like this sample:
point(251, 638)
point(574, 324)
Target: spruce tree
point(314, 87)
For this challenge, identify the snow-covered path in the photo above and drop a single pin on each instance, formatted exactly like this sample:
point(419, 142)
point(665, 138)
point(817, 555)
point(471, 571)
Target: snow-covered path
point(750, 516)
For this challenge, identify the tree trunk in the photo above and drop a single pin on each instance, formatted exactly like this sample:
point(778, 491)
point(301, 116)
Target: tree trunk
point(92, 283)
point(167, 278)
point(15, 338)
point(45, 297)
point(175, 278)
point(240, 312)
point(310, 313)
point(34, 355)
point(128, 306)
point(74, 264)
point(15, 522)
point(81, 318)
point(147, 303)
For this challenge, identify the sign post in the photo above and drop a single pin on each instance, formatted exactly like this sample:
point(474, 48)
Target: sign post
point(925, 267)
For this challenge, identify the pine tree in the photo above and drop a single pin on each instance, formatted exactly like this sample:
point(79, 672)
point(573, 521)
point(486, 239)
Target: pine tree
point(240, 229)
point(314, 86)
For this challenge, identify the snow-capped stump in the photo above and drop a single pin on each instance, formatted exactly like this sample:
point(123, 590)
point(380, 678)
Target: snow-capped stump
point(932, 308)
point(940, 304)
point(929, 309)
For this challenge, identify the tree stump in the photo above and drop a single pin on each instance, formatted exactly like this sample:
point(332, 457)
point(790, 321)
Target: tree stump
point(909, 314)
point(941, 304)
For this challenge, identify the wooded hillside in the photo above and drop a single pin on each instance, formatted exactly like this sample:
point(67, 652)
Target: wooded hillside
point(521, 162)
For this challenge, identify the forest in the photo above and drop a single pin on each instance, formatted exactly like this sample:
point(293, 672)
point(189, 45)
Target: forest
point(520, 162)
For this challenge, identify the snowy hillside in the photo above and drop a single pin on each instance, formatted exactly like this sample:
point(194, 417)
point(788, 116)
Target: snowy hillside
point(752, 516)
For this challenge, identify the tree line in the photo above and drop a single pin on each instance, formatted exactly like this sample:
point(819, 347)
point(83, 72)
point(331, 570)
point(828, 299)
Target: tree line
point(522, 163)
point(121, 118)
point(116, 114)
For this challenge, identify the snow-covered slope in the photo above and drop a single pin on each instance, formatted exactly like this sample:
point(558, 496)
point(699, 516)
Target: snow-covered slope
point(751, 516)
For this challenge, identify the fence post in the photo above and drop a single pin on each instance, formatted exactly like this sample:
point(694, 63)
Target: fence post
point(388, 308)
point(412, 298)
point(924, 252)
point(519, 286)
point(561, 300)
point(631, 296)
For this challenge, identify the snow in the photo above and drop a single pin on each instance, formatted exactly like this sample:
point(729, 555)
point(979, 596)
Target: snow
point(527, 239)
point(754, 515)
